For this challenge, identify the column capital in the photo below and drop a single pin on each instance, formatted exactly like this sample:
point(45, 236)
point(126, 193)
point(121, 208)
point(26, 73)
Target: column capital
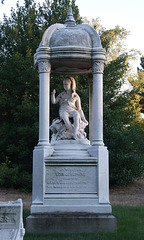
point(44, 66)
point(98, 66)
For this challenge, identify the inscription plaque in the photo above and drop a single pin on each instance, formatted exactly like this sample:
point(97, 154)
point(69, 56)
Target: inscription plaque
point(8, 218)
point(70, 179)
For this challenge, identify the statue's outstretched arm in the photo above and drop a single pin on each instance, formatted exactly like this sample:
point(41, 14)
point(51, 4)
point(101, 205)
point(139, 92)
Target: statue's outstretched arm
point(54, 99)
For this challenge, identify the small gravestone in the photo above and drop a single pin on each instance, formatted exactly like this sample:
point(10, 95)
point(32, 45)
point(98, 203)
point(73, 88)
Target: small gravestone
point(11, 221)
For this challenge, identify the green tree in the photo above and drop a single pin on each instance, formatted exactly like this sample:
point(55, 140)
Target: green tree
point(139, 85)
point(20, 36)
point(123, 125)
point(123, 128)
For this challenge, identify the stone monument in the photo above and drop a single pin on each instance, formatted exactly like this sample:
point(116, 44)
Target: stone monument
point(70, 173)
point(11, 220)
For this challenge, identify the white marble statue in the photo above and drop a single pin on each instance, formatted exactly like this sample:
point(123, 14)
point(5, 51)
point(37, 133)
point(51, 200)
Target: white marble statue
point(72, 121)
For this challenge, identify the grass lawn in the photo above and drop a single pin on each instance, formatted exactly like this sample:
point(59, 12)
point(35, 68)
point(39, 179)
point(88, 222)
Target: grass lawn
point(130, 226)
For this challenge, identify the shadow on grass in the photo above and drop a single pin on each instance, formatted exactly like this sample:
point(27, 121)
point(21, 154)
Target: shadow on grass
point(130, 226)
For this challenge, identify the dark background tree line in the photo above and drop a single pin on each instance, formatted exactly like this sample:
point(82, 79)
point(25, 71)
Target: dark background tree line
point(20, 36)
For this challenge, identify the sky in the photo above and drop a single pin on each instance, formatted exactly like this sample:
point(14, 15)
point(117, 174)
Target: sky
point(125, 13)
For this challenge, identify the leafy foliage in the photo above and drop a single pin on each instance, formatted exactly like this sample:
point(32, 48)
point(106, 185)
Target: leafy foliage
point(19, 87)
point(138, 84)
point(123, 125)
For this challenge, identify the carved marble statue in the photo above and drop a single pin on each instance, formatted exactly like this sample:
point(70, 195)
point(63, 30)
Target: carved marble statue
point(72, 122)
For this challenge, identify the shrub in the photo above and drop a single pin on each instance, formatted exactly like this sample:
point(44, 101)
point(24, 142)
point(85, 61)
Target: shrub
point(13, 177)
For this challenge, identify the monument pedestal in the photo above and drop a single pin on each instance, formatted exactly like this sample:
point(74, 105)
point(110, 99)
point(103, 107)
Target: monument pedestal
point(72, 195)
point(70, 223)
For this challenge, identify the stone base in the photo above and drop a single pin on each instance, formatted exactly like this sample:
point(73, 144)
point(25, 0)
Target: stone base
point(70, 223)
point(71, 190)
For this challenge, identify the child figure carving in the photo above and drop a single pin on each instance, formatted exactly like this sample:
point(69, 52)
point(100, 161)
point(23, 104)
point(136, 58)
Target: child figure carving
point(70, 109)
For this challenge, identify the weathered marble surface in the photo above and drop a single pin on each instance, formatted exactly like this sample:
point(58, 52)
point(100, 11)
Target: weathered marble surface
point(11, 221)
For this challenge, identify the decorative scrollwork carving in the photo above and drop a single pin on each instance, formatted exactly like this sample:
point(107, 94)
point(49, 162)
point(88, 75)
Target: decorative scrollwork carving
point(98, 67)
point(43, 66)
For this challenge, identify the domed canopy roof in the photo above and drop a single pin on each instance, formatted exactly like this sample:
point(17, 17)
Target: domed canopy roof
point(70, 47)
point(70, 37)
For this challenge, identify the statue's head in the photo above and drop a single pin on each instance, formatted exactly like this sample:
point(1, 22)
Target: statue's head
point(70, 82)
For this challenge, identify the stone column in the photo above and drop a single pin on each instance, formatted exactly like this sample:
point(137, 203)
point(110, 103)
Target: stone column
point(97, 138)
point(90, 77)
point(44, 148)
point(98, 149)
point(44, 68)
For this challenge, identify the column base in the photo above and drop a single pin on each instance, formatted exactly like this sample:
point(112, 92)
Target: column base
point(97, 143)
point(43, 143)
